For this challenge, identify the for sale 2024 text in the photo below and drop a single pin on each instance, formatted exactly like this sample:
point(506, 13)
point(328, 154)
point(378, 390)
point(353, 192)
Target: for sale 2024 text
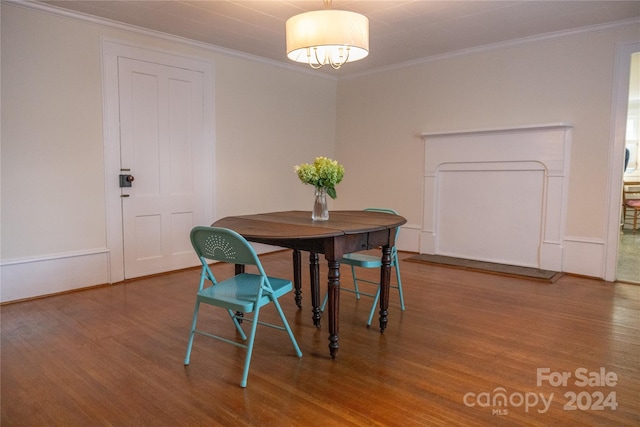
point(584, 400)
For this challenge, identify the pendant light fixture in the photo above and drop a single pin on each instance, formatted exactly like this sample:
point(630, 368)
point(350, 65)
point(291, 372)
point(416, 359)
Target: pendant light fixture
point(327, 37)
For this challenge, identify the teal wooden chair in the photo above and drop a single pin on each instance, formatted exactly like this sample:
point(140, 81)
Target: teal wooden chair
point(243, 293)
point(360, 260)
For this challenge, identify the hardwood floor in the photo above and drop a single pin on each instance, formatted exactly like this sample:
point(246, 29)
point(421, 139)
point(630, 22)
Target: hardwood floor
point(114, 356)
point(628, 256)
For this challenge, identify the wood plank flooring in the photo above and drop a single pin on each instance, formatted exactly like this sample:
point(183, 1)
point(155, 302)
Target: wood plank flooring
point(113, 356)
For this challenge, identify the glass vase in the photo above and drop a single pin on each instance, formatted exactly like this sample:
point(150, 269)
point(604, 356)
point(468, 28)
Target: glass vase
point(320, 209)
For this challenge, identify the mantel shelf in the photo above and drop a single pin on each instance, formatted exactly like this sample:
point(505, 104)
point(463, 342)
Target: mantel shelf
point(537, 127)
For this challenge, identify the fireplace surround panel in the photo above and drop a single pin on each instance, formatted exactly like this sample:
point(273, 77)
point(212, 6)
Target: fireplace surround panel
point(497, 195)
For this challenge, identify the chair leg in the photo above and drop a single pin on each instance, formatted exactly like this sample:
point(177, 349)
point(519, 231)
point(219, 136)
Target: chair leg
point(377, 296)
point(355, 282)
point(287, 327)
point(187, 358)
point(355, 288)
point(236, 323)
point(373, 307)
point(252, 337)
point(324, 302)
point(396, 264)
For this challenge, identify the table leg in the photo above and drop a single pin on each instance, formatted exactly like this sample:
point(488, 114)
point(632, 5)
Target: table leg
point(297, 277)
point(314, 274)
point(333, 307)
point(385, 280)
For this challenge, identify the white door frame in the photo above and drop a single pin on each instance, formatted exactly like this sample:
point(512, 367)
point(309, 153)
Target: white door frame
point(620, 105)
point(111, 50)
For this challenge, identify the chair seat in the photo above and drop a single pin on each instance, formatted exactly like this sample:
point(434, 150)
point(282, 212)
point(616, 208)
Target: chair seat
point(239, 292)
point(635, 203)
point(362, 260)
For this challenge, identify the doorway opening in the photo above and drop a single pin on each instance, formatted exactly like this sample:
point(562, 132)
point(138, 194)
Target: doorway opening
point(628, 268)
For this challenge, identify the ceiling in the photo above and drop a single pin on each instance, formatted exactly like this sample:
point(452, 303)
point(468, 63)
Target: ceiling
point(400, 31)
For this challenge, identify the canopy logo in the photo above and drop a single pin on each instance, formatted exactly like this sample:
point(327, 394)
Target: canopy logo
point(596, 393)
point(499, 400)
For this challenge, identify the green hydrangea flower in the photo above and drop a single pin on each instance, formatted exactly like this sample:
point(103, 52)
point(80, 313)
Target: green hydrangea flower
point(323, 173)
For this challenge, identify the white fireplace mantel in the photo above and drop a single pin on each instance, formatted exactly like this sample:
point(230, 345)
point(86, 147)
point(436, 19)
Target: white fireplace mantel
point(497, 195)
point(523, 128)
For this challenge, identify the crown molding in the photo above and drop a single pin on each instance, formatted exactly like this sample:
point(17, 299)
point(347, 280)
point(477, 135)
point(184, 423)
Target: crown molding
point(54, 10)
point(500, 45)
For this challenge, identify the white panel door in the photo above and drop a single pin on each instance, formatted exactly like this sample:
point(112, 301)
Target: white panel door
point(161, 145)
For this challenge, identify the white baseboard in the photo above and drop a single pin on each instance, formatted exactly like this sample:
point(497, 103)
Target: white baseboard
point(409, 238)
point(33, 277)
point(585, 257)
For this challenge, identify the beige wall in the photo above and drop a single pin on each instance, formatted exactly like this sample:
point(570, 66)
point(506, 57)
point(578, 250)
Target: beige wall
point(52, 168)
point(269, 118)
point(564, 79)
point(53, 197)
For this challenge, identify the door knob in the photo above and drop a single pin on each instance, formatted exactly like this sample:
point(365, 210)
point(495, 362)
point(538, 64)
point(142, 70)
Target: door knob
point(126, 180)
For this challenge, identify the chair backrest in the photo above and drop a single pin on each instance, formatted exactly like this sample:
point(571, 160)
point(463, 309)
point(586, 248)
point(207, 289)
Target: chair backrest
point(630, 191)
point(222, 244)
point(389, 211)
